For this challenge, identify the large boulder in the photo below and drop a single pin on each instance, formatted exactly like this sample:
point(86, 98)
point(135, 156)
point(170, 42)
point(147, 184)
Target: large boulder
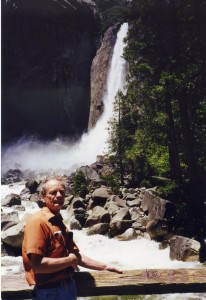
point(9, 219)
point(99, 197)
point(160, 218)
point(100, 228)
point(128, 235)
point(135, 213)
point(11, 216)
point(74, 224)
point(158, 229)
point(81, 215)
point(98, 215)
point(75, 210)
point(32, 185)
point(90, 173)
point(118, 201)
point(119, 226)
point(11, 200)
point(111, 207)
point(157, 208)
point(13, 236)
point(183, 248)
point(122, 214)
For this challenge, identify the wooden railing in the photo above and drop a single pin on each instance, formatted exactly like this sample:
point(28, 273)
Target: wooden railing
point(132, 282)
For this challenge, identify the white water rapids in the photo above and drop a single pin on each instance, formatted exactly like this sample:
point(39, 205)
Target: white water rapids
point(134, 254)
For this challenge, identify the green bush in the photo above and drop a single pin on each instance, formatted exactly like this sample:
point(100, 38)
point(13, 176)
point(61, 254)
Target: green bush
point(112, 181)
point(80, 186)
point(168, 189)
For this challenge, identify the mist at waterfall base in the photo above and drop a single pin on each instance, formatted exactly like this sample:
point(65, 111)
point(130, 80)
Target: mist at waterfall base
point(62, 155)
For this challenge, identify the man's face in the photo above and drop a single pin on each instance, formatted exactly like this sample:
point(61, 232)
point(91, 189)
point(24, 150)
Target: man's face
point(54, 195)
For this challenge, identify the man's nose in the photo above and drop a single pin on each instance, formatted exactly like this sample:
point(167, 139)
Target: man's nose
point(58, 194)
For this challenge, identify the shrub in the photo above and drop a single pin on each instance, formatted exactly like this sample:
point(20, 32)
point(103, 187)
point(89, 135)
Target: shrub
point(80, 186)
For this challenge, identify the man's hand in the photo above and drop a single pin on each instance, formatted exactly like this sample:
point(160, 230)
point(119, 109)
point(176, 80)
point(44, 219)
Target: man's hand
point(73, 260)
point(113, 269)
point(93, 264)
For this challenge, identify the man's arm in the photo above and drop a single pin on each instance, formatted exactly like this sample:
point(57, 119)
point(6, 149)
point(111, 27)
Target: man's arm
point(42, 264)
point(87, 262)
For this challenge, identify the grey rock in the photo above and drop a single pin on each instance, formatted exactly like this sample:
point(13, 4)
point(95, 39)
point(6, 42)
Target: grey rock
point(185, 249)
point(118, 201)
point(100, 196)
point(112, 208)
point(11, 216)
point(11, 199)
point(157, 208)
point(128, 235)
point(13, 236)
point(133, 203)
point(118, 227)
point(134, 213)
point(158, 229)
point(122, 214)
point(75, 224)
point(90, 173)
point(98, 215)
point(32, 185)
point(101, 228)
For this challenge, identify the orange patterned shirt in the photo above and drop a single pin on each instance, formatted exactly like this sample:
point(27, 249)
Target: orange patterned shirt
point(43, 236)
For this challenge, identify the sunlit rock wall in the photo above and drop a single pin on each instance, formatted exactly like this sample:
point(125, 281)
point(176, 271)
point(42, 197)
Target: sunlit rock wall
point(99, 73)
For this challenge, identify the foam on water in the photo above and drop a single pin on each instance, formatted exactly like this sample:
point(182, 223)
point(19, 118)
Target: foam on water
point(128, 255)
point(12, 188)
point(30, 207)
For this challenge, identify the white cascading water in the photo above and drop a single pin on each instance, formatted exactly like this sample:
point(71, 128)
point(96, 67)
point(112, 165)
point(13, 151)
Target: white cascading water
point(59, 155)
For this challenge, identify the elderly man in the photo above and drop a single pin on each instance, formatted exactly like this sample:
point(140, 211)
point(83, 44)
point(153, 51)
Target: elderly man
point(50, 255)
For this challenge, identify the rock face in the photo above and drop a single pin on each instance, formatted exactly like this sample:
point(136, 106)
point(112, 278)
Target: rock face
point(47, 50)
point(99, 71)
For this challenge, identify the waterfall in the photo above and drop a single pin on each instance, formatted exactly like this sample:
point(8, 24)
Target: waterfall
point(59, 155)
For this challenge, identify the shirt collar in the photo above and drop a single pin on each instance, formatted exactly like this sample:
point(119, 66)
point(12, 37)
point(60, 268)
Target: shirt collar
point(50, 215)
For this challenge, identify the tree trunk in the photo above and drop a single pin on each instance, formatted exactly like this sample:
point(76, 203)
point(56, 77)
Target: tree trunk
point(172, 143)
point(196, 195)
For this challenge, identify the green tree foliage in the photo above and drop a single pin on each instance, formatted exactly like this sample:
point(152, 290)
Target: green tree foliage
point(160, 125)
point(80, 186)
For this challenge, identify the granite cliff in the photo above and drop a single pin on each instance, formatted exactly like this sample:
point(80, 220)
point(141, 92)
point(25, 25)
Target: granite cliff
point(47, 51)
point(99, 72)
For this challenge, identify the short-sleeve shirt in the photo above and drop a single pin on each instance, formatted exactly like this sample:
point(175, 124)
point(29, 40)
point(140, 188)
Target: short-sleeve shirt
point(44, 236)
